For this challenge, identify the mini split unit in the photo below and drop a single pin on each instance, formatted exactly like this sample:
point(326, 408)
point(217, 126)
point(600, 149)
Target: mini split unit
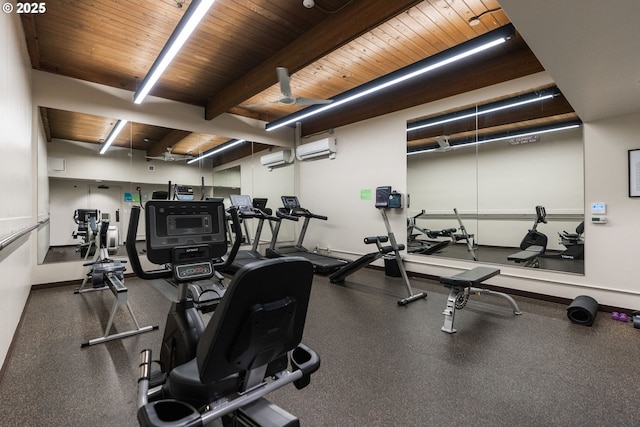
point(322, 147)
point(277, 158)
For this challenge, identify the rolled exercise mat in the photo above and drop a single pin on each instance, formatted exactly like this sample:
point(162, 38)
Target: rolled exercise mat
point(583, 310)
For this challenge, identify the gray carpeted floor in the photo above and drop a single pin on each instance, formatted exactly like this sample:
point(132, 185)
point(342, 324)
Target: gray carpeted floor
point(382, 365)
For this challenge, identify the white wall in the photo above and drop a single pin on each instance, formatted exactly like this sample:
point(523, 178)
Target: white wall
point(18, 179)
point(372, 153)
point(506, 180)
point(257, 181)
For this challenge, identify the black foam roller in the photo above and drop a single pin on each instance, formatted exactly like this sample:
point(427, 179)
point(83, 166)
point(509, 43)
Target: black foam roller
point(583, 310)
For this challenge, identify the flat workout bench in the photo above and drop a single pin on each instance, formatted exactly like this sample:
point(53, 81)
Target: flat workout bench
point(528, 257)
point(462, 285)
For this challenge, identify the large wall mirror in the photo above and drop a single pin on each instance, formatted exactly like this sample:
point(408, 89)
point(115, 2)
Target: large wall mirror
point(133, 169)
point(492, 180)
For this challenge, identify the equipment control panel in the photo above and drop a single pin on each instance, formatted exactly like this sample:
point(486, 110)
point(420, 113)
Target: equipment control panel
point(194, 271)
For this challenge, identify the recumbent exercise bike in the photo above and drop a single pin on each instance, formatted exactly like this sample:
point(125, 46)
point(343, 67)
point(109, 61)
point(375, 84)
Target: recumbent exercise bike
point(254, 335)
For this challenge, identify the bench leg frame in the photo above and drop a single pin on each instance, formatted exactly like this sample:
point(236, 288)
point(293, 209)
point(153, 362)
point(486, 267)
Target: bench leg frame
point(121, 299)
point(450, 309)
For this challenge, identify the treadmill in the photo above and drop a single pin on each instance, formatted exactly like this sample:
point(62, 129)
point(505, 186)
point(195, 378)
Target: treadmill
point(292, 210)
point(248, 210)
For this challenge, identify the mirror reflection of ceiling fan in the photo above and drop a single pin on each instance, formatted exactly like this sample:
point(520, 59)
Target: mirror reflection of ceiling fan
point(168, 156)
point(287, 95)
point(443, 143)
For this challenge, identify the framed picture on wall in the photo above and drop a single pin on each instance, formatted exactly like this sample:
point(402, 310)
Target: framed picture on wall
point(634, 173)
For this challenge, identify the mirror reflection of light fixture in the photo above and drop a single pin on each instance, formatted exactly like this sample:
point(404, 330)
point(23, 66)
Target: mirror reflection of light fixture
point(518, 101)
point(183, 30)
point(218, 149)
point(536, 131)
point(120, 124)
point(449, 56)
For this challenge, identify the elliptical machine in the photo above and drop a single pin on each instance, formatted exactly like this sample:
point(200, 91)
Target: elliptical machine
point(87, 221)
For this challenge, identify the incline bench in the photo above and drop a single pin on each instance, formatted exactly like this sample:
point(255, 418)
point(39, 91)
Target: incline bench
point(462, 285)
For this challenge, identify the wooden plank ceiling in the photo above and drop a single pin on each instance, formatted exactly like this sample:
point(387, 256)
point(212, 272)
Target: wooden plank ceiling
point(228, 64)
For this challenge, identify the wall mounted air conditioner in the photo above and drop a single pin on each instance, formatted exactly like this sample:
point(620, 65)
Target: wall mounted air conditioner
point(277, 158)
point(322, 147)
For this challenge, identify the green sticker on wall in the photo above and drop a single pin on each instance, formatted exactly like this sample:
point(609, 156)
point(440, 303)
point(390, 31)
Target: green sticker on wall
point(365, 194)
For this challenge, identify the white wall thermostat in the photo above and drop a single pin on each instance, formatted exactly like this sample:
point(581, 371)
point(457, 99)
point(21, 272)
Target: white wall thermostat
point(598, 208)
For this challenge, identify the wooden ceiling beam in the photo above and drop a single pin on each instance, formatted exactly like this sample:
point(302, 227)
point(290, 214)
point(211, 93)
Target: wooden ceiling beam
point(31, 35)
point(44, 115)
point(169, 140)
point(331, 33)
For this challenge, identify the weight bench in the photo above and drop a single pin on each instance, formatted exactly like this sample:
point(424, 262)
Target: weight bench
point(460, 288)
point(528, 257)
point(109, 274)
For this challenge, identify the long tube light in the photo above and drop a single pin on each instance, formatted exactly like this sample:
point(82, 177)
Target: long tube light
point(120, 124)
point(539, 131)
point(449, 56)
point(422, 125)
point(183, 30)
point(220, 148)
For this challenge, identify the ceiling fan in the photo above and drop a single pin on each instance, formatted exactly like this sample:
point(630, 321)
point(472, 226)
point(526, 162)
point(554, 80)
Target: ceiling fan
point(443, 143)
point(168, 156)
point(287, 95)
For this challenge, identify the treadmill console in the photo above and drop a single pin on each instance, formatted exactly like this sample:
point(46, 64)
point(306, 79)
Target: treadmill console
point(243, 203)
point(292, 205)
point(183, 192)
point(260, 203)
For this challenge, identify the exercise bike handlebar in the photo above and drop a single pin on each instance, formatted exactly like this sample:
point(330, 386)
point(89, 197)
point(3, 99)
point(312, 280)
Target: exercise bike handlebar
point(237, 230)
point(132, 251)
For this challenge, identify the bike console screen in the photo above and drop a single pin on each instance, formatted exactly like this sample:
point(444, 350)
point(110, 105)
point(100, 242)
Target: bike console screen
point(183, 224)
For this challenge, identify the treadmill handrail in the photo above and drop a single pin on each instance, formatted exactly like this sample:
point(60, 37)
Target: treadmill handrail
point(281, 213)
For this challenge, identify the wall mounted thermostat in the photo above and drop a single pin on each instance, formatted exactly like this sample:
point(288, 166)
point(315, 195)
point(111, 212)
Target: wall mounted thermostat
point(598, 208)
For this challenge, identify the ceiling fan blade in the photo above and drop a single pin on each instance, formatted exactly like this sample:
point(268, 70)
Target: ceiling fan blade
point(285, 82)
point(260, 104)
point(312, 101)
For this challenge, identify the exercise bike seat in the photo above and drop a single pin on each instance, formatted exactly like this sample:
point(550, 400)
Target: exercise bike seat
point(258, 322)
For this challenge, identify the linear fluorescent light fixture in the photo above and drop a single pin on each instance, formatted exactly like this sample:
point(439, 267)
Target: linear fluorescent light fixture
point(218, 149)
point(183, 30)
point(120, 124)
point(449, 56)
point(493, 107)
point(536, 131)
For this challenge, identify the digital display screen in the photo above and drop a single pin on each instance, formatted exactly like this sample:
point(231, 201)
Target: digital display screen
point(188, 222)
point(290, 202)
point(174, 224)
